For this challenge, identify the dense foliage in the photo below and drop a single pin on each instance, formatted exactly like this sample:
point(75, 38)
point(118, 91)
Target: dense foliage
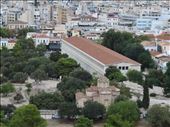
point(128, 110)
point(69, 86)
point(159, 116)
point(128, 45)
point(50, 101)
point(94, 110)
point(83, 122)
point(27, 116)
point(112, 73)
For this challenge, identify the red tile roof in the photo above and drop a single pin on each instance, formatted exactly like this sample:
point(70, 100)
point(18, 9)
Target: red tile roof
point(99, 52)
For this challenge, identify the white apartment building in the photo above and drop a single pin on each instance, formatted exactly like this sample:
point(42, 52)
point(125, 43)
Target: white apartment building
point(96, 58)
point(143, 24)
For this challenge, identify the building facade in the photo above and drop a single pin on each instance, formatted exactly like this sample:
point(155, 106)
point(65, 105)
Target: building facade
point(96, 58)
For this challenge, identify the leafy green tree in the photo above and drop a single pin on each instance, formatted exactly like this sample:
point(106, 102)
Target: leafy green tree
point(128, 110)
point(146, 98)
point(117, 40)
point(7, 110)
point(41, 49)
point(6, 88)
point(39, 75)
point(94, 110)
point(135, 76)
point(20, 77)
point(125, 92)
point(146, 60)
point(50, 101)
point(27, 116)
point(116, 121)
point(81, 74)
point(112, 73)
point(167, 80)
point(24, 49)
point(83, 122)
point(55, 56)
point(69, 86)
point(23, 32)
point(65, 66)
point(121, 98)
point(133, 50)
point(159, 116)
point(68, 110)
point(5, 33)
point(167, 86)
point(156, 77)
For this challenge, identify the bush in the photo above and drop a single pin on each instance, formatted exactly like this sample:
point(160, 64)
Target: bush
point(83, 122)
point(94, 110)
point(20, 77)
point(159, 116)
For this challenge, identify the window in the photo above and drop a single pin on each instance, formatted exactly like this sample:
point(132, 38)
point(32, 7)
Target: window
point(123, 68)
point(119, 68)
point(127, 67)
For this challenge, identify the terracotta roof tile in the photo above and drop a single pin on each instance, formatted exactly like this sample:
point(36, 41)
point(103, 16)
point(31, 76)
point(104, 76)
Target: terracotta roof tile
point(99, 52)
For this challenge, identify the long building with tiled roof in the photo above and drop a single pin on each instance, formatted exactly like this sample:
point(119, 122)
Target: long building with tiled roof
point(96, 58)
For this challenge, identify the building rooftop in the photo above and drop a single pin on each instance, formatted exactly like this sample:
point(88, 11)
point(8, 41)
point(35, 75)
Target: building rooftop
point(99, 52)
point(148, 43)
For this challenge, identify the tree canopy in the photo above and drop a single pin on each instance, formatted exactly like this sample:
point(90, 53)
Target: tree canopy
point(159, 116)
point(128, 45)
point(128, 110)
point(94, 110)
point(27, 116)
point(112, 73)
point(83, 122)
point(69, 86)
point(50, 101)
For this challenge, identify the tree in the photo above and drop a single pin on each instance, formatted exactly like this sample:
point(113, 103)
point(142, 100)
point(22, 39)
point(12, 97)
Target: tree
point(65, 66)
point(125, 92)
point(128, 110)
point(83, 122)
point(159, 116)
point(112, 73)
point(23, 32)
point(55, 56)
point(18, 97)
point(27, 116)
point(117, 40)
point(39, 75)
point(24, 49)
point(135, 76)
point(81, 74)
point(146, 99)
point(20, 77)
point(50, 101)
point(146, 60)
point(116, 121)
point(5, 33)
point(69, 86)
point(68, 110)
point(41, 49)
point(133, 50)
point(94, 110)
point(121, 98)
point(167, 81)
point(7, 110)
point(6, 88)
